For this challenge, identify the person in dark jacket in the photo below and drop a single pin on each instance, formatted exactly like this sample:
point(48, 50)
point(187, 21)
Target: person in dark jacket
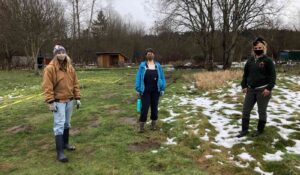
point(150, 84)
point(258, 81)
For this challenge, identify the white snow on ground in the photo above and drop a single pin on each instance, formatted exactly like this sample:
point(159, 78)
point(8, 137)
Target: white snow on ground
point(205, 137)
point(170, 141)
point(216, 150)
point(273, 157)
point(246, 156)
point(209, 156)
point(295, 149)
point(170, 119)
point(221, 113)
point(241, 165)
point(257, 169)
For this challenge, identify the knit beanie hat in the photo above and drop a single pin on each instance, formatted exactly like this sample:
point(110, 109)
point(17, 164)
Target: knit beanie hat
point(58, 48)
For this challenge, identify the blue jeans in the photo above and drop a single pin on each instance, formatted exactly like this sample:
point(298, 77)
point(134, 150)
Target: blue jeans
point(62, 117)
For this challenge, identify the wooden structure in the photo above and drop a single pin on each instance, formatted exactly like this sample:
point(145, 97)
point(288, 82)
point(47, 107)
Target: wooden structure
point(110, 59)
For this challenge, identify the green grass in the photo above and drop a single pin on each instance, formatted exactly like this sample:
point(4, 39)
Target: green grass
point(103, 141)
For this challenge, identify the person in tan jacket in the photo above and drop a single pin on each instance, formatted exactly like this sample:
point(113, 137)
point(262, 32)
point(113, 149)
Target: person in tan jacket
point(61, 88)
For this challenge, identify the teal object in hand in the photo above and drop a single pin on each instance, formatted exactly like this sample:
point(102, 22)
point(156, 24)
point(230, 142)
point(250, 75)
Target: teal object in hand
point(138, 105)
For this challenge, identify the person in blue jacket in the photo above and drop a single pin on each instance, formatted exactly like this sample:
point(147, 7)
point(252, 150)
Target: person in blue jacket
point(150, 84)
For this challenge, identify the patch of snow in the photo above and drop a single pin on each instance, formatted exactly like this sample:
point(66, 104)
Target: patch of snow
point(216, 150)
point(170, 141)
point(185, 133)
point(209, 156)
point(241, 165)
point(154, 151)
point(193, 126)
point(295, 149)
point(232, 112)
point(196, 131)
point(257, 169)
point(221, 163)
point(273, 157)
point(205, 137)
point(207, 130)
point(246, 156)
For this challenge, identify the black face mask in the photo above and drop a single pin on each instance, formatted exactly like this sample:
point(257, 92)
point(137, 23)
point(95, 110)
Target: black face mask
point(258, 52)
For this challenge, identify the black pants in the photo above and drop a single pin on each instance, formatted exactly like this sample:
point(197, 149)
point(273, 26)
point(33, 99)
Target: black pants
point(149, 99)
point(255, 96)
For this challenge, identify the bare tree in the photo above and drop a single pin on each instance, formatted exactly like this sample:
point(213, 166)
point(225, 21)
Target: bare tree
point(196, 16)
point(91, 17)
point(9, 32)
point(77, 17)
point(238, 16)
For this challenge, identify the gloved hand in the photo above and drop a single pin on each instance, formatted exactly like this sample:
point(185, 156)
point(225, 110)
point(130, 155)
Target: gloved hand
point(138, 94)
point(162, 93)
point(52, 107)
point(78, 104)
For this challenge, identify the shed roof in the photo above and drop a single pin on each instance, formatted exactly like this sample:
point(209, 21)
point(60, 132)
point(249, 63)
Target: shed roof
point(111, 53)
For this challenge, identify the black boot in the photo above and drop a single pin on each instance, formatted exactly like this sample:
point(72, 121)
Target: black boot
point(60, 149)
point(66, 141)
point(260, 128)
point(153, 125)
point(142, 127)
point(245, 127)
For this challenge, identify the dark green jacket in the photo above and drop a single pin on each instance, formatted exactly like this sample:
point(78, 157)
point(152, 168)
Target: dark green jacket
point(259, 72)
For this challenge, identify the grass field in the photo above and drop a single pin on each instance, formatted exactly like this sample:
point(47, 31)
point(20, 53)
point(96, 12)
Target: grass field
point(195, 136)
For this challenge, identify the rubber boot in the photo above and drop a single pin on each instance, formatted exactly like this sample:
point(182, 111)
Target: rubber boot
point(245, 127)
point(153, 125)
point(60, 149)
point(142, 127)
point(66, 141)
point(260, 128)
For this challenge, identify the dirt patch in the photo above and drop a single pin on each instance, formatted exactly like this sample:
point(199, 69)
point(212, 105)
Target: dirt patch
point(108, 96)
point(116, 111)
point(89, 150)
point(111, 107)
point(127, 120)
point(19, 128)
point(74, 131)
point(6, 166)
point(131, 100)
point(145, 145)
point(94, 124)
point(212, 167)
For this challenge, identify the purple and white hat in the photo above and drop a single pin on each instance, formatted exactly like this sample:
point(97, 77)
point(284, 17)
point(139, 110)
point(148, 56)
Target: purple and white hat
point(58, 48)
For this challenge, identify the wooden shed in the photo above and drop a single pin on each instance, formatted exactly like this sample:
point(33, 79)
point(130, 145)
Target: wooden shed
point(110, 59)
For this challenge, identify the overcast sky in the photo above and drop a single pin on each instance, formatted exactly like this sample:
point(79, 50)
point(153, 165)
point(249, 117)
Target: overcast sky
point(144, 11)
point(139, 10)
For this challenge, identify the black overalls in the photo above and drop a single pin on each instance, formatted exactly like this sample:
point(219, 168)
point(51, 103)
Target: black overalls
point(150, 96)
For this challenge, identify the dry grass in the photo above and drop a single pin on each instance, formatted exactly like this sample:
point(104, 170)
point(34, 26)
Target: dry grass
point(217, 79)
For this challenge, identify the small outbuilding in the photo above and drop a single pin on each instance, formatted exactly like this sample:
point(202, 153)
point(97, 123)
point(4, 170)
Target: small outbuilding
point(110, 59)
point(289, 55)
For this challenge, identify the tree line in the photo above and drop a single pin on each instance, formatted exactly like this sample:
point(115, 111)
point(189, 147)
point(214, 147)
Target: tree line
point(202, 31)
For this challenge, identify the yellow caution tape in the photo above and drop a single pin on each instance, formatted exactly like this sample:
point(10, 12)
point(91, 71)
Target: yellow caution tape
point(19, 101)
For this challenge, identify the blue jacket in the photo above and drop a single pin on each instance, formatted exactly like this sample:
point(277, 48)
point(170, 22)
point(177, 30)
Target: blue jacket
point(139, 80)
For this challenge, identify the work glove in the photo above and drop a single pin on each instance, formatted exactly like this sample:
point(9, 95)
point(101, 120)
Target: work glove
point(78, 104)
point(162, 93)
point(52, 107)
